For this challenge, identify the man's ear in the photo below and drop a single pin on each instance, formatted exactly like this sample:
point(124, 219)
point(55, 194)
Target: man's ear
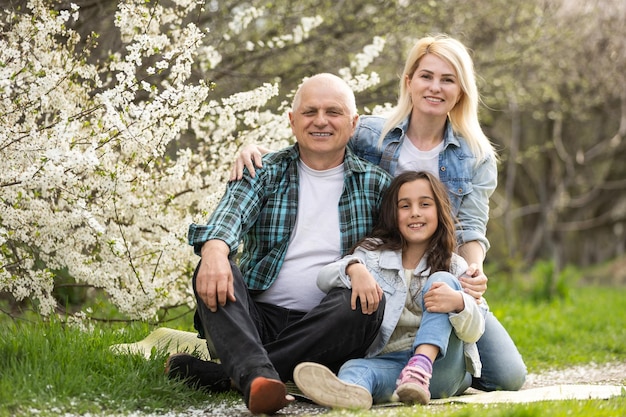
point(291, 120)
point(355, 120)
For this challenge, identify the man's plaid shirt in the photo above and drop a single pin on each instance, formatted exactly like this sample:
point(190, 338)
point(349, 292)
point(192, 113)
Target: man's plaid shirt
point(261, 213)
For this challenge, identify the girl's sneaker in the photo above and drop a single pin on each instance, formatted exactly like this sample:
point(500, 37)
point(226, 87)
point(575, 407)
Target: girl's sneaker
point(322, 386)
point(412, 386)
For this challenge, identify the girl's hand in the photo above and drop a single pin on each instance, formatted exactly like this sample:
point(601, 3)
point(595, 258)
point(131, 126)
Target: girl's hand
point(441, 298)
point(365, 288)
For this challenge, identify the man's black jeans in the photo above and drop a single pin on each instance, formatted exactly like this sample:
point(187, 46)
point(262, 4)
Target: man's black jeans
point(255, 339)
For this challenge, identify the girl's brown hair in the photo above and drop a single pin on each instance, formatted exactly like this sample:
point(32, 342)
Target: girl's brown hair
point(386, 234)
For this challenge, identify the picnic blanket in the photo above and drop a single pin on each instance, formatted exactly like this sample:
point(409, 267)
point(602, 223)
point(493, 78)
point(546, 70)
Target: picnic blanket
point(167, 340)
point(549, 393)
point(173, 341)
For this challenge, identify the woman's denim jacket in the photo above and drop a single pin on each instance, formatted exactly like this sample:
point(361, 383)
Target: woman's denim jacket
point(386, 268)
point(470, 184)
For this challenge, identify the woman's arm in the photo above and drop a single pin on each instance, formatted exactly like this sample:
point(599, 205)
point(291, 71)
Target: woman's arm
point(474, 281)
point(473, 218)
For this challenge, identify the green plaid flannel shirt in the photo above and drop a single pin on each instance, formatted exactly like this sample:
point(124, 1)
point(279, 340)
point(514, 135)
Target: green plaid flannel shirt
point(261, 213)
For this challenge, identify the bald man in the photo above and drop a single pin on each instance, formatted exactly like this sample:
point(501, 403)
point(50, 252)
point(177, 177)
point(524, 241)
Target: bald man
point(308, 205)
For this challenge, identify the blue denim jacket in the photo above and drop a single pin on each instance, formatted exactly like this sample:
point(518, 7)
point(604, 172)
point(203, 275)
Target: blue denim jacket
point(386, 268)
point(470, 182)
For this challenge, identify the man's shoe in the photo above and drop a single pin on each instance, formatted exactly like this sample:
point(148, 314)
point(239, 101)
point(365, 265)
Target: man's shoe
point(412, 386)
point(196, 373)
point(322, 386)
point(267, 396)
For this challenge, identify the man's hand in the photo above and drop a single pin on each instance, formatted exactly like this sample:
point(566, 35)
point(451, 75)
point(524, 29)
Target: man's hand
point(474, 282)
point(365, 288)
point(441, 298)
point(214, 281)
point(250, 157)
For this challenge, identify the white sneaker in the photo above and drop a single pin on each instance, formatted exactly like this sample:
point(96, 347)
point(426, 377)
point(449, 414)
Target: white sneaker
point(322, 386)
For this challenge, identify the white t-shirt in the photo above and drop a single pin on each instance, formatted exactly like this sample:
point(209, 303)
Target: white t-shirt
point(315, 241)
point(412, 159)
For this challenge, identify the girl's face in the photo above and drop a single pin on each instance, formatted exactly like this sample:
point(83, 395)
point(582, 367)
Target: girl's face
point(434, 86)
point(417, 213)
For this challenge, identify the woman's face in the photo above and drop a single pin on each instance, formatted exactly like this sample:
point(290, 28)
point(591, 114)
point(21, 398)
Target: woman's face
point(434, 86)
point(417, 213)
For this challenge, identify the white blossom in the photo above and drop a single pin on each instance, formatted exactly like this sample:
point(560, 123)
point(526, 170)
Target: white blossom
point(87, 182)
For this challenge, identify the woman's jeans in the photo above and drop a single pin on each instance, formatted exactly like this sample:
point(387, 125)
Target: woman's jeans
point(254, 339)
point(503, 366)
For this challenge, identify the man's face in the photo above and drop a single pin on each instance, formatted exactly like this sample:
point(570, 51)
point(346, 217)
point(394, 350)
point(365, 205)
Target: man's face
point(322, 121)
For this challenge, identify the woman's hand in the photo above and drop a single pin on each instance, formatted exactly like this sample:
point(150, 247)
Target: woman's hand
point(250, 157)
point(474, 282)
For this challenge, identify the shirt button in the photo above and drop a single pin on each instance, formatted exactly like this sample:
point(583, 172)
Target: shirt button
point(460, 191)
point(443, 169)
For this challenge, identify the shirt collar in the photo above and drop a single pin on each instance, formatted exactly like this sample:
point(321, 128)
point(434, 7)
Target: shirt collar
point(449, 138)
point(393, 260)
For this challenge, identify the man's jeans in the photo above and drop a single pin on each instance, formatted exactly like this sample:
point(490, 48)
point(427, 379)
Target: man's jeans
point(253, 339)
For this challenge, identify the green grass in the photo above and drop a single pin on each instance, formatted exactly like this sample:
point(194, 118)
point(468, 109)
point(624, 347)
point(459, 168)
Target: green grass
point(590, 326)
point(50, 369)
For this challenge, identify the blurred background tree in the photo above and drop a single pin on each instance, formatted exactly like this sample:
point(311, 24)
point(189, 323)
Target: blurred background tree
point(552, 76)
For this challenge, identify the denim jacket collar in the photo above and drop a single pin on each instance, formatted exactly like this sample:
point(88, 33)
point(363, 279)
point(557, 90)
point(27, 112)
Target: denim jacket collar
point(449, 138)
point(392, 260)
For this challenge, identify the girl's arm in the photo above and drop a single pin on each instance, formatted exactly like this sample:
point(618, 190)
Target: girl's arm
point(464, 313)
point(469, 324)
point(351, 272)
point(334, 274)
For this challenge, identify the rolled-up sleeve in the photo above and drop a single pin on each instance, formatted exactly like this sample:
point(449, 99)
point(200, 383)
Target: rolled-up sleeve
point(334, 274)
point(237, 209)
point(469, 324)
point(474, 211)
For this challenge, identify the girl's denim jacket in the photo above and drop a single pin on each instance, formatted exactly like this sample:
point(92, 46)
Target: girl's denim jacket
point(470, 182)
point(386, 268)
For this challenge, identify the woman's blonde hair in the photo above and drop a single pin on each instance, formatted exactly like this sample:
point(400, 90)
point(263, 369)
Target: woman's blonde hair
point(464, 115)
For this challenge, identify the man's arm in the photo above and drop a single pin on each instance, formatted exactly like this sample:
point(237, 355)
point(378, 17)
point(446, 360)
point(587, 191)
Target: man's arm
point(214, 281)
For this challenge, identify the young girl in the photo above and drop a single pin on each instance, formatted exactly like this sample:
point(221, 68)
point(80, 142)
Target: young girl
point(429, 322)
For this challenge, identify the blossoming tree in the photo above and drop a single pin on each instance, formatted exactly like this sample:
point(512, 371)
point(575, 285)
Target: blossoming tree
point(95, 183)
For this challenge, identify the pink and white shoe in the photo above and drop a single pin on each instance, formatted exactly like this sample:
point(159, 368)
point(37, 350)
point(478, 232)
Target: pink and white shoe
point(412, 385)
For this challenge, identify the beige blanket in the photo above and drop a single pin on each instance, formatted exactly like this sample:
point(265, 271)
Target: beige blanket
point(167, 340)
point(172, 341)
point(550, 393)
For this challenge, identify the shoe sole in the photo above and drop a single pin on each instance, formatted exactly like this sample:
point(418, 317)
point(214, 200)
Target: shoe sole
point(322, 386)
point(267, 396)
point(412, 394)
